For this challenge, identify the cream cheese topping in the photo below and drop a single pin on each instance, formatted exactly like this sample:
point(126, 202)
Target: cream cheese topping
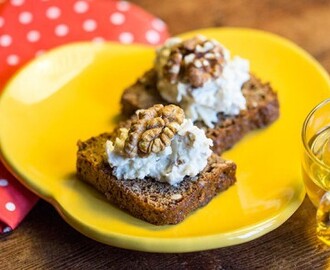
point(222, 94)
point(186, 156)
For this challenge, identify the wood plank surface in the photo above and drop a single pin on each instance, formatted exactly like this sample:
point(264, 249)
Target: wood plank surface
point(45, 241)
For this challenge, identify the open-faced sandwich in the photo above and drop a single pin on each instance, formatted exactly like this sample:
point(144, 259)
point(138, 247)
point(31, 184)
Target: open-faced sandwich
point(157, 165)
point(162, 163)
point(217, 92)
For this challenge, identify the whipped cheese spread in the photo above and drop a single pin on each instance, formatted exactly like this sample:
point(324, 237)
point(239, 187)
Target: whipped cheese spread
point(186, 156)
point(222, 94)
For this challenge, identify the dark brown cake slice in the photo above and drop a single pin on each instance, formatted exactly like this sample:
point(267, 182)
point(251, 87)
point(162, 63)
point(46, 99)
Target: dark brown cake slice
point(156, 202)
point(262, 109)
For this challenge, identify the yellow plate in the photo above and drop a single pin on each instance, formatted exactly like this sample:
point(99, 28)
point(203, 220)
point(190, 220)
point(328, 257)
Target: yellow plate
point(73, 93)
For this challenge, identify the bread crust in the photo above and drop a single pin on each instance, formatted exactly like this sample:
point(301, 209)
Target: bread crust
point(262, 109)
point(155, 202)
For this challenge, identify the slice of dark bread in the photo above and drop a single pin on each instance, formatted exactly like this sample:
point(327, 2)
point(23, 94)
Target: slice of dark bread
point(262, 109)
point(156, 202)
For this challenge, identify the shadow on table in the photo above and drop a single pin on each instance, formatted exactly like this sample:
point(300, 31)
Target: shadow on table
point(292, 245)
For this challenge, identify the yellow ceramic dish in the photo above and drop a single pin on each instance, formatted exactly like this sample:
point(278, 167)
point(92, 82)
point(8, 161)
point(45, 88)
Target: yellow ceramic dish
point(73, 93)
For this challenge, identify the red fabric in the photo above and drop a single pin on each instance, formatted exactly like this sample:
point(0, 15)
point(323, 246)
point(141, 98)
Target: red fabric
point(31, 27)
point(15, 201)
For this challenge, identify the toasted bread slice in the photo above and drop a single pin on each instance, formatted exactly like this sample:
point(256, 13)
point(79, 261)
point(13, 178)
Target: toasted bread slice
point(155, 202)
point(262, 109)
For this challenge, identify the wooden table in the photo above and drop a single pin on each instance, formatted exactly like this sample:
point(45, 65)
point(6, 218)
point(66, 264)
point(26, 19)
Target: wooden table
point(45, 241)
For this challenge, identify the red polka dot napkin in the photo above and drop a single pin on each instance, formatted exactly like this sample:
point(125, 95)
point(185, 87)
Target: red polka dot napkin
point(15, 201)
point(28, 28)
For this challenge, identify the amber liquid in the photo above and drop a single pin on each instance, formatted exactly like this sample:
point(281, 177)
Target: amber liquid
point(314, 192)
point(317, 181)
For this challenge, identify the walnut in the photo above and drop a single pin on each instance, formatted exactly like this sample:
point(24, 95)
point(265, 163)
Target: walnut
point(153, 130)
point(194, 61)
point(176, 197)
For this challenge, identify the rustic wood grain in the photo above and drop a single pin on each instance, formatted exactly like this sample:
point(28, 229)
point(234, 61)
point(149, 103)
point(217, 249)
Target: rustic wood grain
point(45, 241)
point(306, 22)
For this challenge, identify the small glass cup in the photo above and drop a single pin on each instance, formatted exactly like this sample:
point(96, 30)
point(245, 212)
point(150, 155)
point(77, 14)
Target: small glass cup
point(316, 165)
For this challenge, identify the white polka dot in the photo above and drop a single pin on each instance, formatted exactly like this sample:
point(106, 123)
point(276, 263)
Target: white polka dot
point(152, 36)
point(123, 6)
point(40, 52)
point(158, 24)
point(89, 25)
point(10, 206)
point(117, 18)
point(80, 7)
point(5, 40)
point(2, 21)
point(3, 182)
point(98, 40)
point(53, 13)
point(25, 17)
point(33, 36)
point(6, 229)
point(12, 60)
point(61, 30)
point(126, 37)
point(17, 2)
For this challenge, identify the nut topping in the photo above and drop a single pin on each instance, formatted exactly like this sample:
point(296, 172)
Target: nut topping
point(176, 197)
point(194, 61)
point(153, 130)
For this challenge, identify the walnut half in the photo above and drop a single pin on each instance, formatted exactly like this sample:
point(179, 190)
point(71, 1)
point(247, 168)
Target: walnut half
point(153, 130)
point(194, 61)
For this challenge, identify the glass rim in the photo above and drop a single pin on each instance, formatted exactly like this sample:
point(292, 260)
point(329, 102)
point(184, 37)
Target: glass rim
point(303, 133)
